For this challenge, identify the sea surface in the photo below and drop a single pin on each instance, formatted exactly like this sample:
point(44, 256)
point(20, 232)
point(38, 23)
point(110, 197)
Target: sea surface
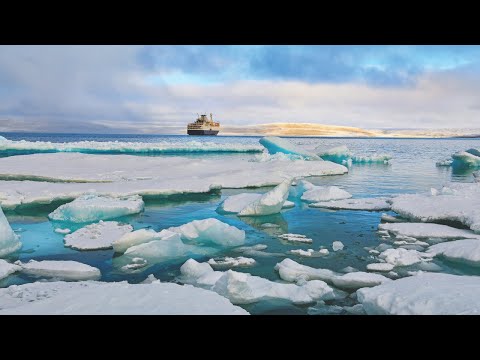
point(411, 170)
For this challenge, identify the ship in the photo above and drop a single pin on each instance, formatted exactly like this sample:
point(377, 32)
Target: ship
point(203, 126)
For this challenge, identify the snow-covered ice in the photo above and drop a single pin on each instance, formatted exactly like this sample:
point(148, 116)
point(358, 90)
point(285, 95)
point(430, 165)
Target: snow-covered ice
point(6, 268)
point(275, 145)
point(446, 162)
point(314, 193)
point(457, 202)
point(229, 262)
point(91, 208)
point(63, 231)
point(60, 269)
point(358, 279)
point(389, 218)
point(465, 251)
point(403, 257)
point(99, 298)
point(288, 204)
point(295, 238)
point(301, 252)
point(125, 175)
point(424, 294)
point(210, 231)
point(9, 241)
point(96, 236)
point(269, 203)
point(368, 204)
point(235, 203)
point(427, 230)
point(380, 267)
point(342, 155)
point(139, 237)
point(337, 245)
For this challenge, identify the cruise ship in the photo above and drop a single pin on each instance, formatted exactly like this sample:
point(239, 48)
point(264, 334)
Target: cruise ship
point(203, 126)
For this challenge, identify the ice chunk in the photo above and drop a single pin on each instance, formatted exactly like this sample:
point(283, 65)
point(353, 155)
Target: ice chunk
point(295, 238)
point(342, 155)
point(141, 236)
point(336, 154)
point(9, 241)
point(269, 203)
point(275, 144)
point(137, 263)
point(119, 298)
point(288, 204)
point(380, 267)
point(63, 231)
point(389, 218)
point(6, 268)
point(325, 193)
point(424, 294)
point(210, 231)
point(358, 279)
point(300, 252)
point(467, 158)
point(256, 250)
point(236, 203)
point(91, 208)
point(229, 262)
point(337, 245)
point(96, 236)
point(292, 271)
point(59, 269)
point(323, 252)
point(446, 162)
point(465, 251)
point(151, 279)
point(403, 257)
point(199, 274)
point(426, 230)
point(368, 204)
point(355, 309)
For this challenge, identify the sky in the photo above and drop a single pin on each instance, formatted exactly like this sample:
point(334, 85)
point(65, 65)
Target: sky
point(159, 89)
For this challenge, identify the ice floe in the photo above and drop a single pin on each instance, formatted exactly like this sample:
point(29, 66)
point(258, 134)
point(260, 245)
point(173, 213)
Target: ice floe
point(60, 269)
point(465, 251)
point(63, 231)
point(229, 262)
point(137, 237)
point(390, 218)
point(337, 245)
point(403, 257)
point(92, 208)
point(123, 175)
point(288, 204)
point(301, 252)
point(446, 162)
point(235, 203)
point(269, 203)
point(368, 204)
point(256, 250)
point(275, 145)
point(210, 231)
point(380, 267)
point(125, 147)
point(468, 158)
point(424, 294)
point(295, 238)
point(9, 241)
point(120, 298)
point(426, 230)
point(6, 268)
point(358, 279)
point(97, 236)
point(342, 155)
point(314, 193)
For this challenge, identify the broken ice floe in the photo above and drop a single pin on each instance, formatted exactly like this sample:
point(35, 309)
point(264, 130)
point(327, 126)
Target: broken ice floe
point(229, 262)
point(464, 251)
point(59, 269)
point(9, 241)
point(97, 236)
point(299, 238)
point(315, 193)
point(275, 145)
point(7, 269)
point(342, 155)
point(367, 204)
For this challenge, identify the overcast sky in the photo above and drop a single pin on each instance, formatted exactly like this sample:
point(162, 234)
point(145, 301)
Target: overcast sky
point(161, 88)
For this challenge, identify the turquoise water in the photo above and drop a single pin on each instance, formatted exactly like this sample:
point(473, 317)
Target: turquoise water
point(411, 170)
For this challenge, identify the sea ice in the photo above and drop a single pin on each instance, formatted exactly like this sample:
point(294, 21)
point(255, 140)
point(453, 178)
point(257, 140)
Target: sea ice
point(368, 204)
point(229, 262)
point(137, 237)
point(92, 208)
point(119, 298)
point(269, 203)
point(6, 268)
point(323, 193)
point(426, 230)
point(323, 252)
point(288, 204)
point(342, 155)
point(389, 218)
point(465, 251)
point(275, 144)
point(403, 257)
point(236, 203)
point(358, 279)
point(380, 267)
point(295, 238)
point(337, 245)
point(469, 158)
point(424, 294)
point(300, 252)
point(210, 231)
point(96, 236)
point(9, 241)
point(63, 231)
point(59, 269)
point(446, 162)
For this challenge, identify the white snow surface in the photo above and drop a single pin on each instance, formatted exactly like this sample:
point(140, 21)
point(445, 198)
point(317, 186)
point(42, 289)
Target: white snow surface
point(427, 230)
point(380, 267)
point(229, 262)
point(424, 294)
point(91, 208)
point(96, 236)
point(6, 268)
point(316, 193)
point(403, 257)
point(465, 251)
point(269, 203)
point(368, 204)
point(210, 231)
point(9, 241)
point(60, 269)
point(121, 298)
point(456, 202)
point(139, 237)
